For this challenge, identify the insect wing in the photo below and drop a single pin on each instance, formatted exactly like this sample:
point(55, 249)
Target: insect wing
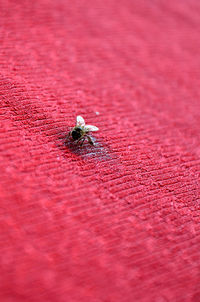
point(80, 121)
point(91, 128)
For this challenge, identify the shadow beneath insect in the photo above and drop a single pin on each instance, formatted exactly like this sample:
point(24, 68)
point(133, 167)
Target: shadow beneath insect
point(100, 151)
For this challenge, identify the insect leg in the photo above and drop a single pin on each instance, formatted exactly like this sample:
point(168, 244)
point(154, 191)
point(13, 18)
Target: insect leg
point(78, 140)
point(83, 139)
point(90, 140)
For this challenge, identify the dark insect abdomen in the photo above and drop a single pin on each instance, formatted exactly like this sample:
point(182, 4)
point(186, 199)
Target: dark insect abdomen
point(76, 134)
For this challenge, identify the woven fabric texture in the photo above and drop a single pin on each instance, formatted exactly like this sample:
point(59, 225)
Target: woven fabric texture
point(120, 221)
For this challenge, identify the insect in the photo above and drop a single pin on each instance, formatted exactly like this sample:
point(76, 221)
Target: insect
point(81, 131)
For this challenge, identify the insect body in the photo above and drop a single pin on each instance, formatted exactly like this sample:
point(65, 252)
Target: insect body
point(81, 131)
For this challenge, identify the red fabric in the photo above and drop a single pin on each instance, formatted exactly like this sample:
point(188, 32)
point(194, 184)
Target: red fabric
point(119, 221)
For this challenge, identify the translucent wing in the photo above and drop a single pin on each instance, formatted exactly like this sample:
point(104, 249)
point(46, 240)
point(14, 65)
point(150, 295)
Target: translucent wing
point(91, 128)
point(80, 121)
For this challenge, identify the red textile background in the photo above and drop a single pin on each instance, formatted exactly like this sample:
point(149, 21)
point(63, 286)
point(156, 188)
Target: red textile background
point(119, 221)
